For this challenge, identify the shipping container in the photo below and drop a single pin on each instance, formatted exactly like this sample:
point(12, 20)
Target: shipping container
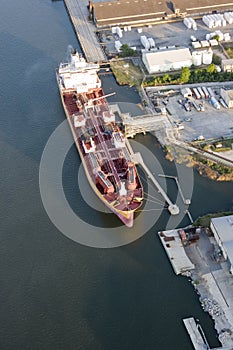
point(196, 93)
point(205, 92)
point(214, 102)
point(199, 89)
point(211, 93)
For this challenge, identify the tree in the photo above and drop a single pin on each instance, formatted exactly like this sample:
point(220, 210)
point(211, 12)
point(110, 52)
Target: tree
point(211, 69)
point(216, 37)
point(185, 75)
point(216, 59)
point(166, 78)
point(126, 51)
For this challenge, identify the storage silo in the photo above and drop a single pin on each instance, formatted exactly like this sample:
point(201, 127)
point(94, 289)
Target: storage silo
point(207, 57)
point(187, 22)
point(197, 58)
point(118, 45)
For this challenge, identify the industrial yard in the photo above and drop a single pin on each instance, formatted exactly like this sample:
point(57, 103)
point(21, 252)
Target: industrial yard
point(201, 260)
point(164, 35)
point(195, 119)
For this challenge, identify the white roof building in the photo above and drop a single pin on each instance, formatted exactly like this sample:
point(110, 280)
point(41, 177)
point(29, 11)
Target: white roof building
point(166, 60)
point(222, 229)
point(227, 96)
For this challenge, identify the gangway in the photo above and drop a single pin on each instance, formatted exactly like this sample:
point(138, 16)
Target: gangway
point(137, 158)
point(186, 201)
point(142, 124)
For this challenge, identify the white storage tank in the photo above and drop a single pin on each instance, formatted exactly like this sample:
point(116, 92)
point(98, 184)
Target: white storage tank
point(209, 22)
point(145, 42)
point(207, 57)
point(228, 17)
point(197, 58)
point(194, 24)
point(151, 42)
point(226, 37)
point(119, 32)
point(220, 34)
point(118, 45)
point(187, 22)
point(205, 43)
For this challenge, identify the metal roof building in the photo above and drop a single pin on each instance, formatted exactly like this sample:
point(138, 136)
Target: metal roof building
point(129, 12)
point(166, 60)
point(139, 12)
point(227, 96)
point(222, 229)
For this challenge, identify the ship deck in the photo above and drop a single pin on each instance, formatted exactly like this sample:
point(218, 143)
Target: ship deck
point(95, 141)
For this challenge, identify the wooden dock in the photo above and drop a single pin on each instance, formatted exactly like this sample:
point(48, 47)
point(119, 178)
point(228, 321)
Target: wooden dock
point(85, 30)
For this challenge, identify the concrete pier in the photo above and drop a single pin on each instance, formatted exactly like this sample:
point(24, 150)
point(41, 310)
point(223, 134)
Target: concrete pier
point(196, 334)
point(85, 30)
point(175, 251)
point(172, 208)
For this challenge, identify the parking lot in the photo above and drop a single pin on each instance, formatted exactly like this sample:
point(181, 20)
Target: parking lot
point(207, 123)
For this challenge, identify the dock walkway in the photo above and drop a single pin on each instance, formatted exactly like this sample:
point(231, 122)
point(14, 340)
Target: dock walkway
point(196, 335)
point(137, 158)
point(85, 30)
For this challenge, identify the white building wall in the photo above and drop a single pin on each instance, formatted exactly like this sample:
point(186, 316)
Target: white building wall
point(163, 63)
point(218, 240)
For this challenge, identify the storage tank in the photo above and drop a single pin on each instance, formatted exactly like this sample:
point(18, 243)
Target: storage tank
point(187, 22)
point(208, 21)
point(197, 58)
point(211, 93)
point(151, 42)
point(214, 102)
point(119, 32)
point(228, 17)
point(194, 24)
point(231, 17)
point(224, 22)
point(118, 45)
point(207, 57)
point(226, 37)
point(145, 42)
point(217, 20)
point(220, 34)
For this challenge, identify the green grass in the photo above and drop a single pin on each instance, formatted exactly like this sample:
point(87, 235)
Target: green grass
point(204, 221)
point(126, 73)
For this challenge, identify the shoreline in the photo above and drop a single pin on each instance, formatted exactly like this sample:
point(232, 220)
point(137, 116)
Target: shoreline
point(203, 169)
point(209, 274)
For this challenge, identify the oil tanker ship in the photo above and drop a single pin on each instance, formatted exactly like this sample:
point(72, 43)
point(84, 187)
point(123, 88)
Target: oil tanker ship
point(101, 144)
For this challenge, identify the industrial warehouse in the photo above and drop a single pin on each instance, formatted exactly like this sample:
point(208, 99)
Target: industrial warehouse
point(167, 60)
point(222, 229)
point(142, 12)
